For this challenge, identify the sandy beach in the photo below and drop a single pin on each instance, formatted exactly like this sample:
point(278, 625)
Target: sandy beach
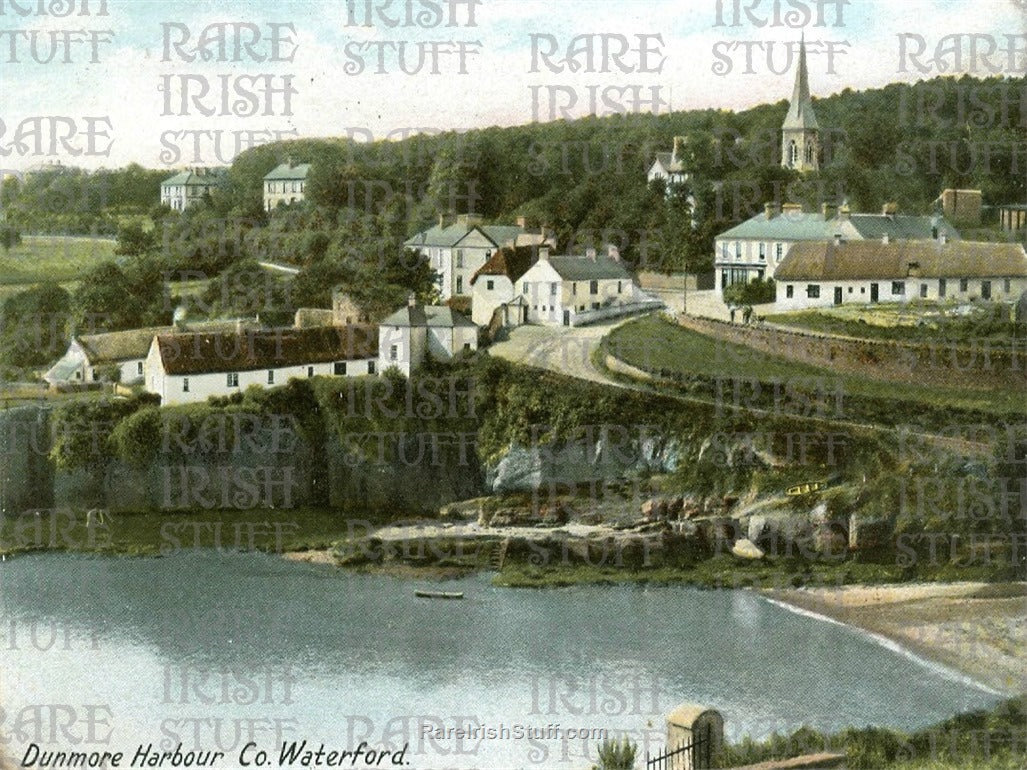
point(978, 629)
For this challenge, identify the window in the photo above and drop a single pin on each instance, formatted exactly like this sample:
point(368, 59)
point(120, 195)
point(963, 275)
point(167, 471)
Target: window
point(779, 251)
point(964, 284)
point(139, 365)
point(941, 287)
point(738, 249)
point(490, 285)
point(789, 291)
point(595, 305)
point(593, 287)
point(467, 346)
point(553, 289)
point(850, 290)
point(574, 288)
point(232, 380)
point(370, 367)
point(898, 288)
point(185, 384)
point(619, 287)
point(394, 353)
point(812, 291)
point(793, 154)
point(270, 376)
point(460, 284)
point(763, 250)
point(524, 288)
point(923, 291)
point(985, 289)
point(310, 371)
point(340, 367)
point(459, 257)
point(1005, 288)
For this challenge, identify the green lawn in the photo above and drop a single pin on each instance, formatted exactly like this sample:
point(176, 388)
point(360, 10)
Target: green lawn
point(51, 258)
point(652, 343)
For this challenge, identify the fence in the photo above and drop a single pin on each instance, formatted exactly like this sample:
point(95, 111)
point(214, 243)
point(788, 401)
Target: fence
point(694, 755)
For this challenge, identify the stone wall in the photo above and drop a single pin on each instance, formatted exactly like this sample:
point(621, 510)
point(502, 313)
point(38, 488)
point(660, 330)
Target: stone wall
point(978, 365)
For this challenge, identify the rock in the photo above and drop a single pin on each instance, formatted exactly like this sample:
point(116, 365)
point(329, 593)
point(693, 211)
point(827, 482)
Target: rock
point(654, 508)
point(463, 510)
point(746, 549)
point(674, 507)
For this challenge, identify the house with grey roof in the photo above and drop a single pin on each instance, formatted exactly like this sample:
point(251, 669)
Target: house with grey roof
point(837, 272)
point(285, 184)
point(188, 187)
point(411, 334)
point(753, 249)
point(670, 166)
point(577, 290)
point(457, 250)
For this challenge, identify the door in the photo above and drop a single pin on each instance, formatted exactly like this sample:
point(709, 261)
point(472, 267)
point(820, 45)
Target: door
point(873, 292)
point(985, 289)
point(837, 295)
point(566, 317)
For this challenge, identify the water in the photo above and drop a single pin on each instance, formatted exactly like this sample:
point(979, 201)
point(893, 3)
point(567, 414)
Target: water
point(215, 650)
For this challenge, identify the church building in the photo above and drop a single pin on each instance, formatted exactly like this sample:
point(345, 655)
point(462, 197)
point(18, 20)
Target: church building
point(800, 133)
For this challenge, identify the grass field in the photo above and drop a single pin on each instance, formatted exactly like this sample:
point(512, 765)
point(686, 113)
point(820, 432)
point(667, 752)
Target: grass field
point(51, 258)
point(652, 343)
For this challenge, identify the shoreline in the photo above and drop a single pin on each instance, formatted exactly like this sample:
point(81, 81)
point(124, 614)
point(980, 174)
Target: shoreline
point(975, 630)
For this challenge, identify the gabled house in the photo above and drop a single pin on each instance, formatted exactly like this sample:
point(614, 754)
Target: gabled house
point(670, 166)
point(91, 357)
point(188, 187)
point(411, 334)
point(285, 184)
point(493, 284)
point(572, 291)
point(825, 273)
point(753, 249)
point(184, 368)
point(456, 251)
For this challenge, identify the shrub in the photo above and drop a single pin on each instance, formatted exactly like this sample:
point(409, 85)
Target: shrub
point(617, 755)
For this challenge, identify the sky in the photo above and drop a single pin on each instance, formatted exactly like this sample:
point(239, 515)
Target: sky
point(132, 88)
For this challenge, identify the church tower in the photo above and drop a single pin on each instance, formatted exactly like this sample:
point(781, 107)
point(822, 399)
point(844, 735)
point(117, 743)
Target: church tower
point(800, 134)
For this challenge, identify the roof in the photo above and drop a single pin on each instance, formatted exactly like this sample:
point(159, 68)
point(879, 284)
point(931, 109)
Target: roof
point(800, 111)
point(288, 171)
point(687, 713)
point(206, 353)
point(587, 269)
point(428, 315)
point(209, 178)
point(511, 262)
point(450, 235)
point(802, 226)
point(825, 261)
point(110, 347)
point(666, 159)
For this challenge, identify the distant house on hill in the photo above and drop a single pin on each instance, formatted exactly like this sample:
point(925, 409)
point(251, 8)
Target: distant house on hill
point(670, 166)
point(408, 336)
point(188, 187)
point(184, 368)
point(286, 184)
point(90, 357)
point(493, 285)
point(824, 273)
point(753, 249)
point(571, 291)
point(457, 250)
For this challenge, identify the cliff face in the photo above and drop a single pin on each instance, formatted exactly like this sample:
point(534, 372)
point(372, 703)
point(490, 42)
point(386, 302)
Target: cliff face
point(26, 473)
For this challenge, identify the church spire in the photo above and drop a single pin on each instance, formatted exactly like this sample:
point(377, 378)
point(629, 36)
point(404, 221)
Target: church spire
point(800, 111)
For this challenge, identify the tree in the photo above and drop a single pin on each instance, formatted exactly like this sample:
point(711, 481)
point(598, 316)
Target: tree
point(34, 325)
point(134, 240)
point(9, 237)
point(110, 298)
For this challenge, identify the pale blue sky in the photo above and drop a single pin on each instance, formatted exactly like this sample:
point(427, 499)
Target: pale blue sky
point(703, 65)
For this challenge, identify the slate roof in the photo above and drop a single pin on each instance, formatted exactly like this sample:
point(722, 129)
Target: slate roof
point(207, 353)
point(588, 269)
point(666, 159)
point(451, 235)
point(428, 315)
point(802, 226)
point(511, 262)
point(800, 110)
point(285, 171)
point(853, 260)
point(129, 344)
point(211, 178)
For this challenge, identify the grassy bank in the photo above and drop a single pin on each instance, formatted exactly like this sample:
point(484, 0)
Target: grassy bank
point(52, 258)
point(657, 345)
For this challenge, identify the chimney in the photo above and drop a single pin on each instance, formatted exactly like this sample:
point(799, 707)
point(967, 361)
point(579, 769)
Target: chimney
point(890, 209)
point(591, 254)
point(522, 222)
point(543, 254)
point(837, 239)
point(613, 252)
point(771, 210)
point(827, 209)
point(289, 161)
point(885, 239)
point(943, 238)
point(843, 212)
point(412, 300)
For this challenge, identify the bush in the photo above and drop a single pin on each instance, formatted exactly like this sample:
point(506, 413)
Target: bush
point(617, 755)
point(753, 293)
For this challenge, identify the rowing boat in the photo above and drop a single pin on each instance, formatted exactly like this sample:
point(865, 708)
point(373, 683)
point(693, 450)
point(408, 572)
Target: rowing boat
point(439, 594)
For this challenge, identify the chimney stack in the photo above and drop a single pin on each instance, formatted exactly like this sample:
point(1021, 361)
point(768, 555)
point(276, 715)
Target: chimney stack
point(890, 209)
point(837, 239)
point(591, 254)
point(771, 210)
point(843, 212)
point(522, 222)
point(543, 254)
point(885, 239)
point(827, 209)
point(943, 238)
point(412, 300)
point(613, 252)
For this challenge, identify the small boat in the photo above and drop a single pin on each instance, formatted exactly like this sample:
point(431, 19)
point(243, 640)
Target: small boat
point(805, 489)
point(439, 594)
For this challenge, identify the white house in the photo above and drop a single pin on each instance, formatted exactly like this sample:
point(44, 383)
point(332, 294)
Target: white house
point(416, 331)
point(825, 273)
point(670, 166)
point(753, 249)
point(184, 368)
point(493, 285)
point(90, 357)
point(285, 184)
point(188, 187)
point(457, 251)
point(571, 291)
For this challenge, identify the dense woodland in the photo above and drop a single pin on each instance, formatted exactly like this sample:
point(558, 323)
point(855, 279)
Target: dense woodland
point(583, 179)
